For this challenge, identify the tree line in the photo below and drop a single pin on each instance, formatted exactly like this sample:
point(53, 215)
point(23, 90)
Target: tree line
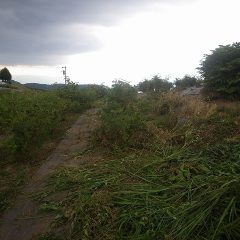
point(219, 73)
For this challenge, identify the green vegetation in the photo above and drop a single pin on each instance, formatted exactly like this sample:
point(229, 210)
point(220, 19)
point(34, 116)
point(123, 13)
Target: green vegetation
point(5, 75)
point(156, 84)
point(187, 81)
point(221, 71)
point(170, 171)
point(28, 120)
point(169, 166)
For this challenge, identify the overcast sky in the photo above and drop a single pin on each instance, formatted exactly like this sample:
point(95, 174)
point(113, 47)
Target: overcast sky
point(101, 40)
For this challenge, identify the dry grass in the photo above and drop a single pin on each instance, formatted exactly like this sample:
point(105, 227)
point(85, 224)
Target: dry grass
point(183, 106)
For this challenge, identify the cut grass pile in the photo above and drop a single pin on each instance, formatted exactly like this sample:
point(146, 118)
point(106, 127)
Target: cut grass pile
point(180, 195)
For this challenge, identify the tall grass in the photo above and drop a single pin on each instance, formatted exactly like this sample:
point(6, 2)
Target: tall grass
point(181, 182)
point(28, 120)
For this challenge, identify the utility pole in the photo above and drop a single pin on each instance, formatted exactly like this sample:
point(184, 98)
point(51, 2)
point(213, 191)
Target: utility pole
point(64, 71)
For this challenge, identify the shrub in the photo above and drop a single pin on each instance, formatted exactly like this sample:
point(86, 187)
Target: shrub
point(80, 99)
point(119, 126)
point(122, 123)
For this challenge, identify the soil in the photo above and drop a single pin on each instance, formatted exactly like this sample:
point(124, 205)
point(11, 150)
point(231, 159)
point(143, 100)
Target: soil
point(24, 221)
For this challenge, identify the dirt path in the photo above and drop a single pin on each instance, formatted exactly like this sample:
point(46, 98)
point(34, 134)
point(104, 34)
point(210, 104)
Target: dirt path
point(24, 221)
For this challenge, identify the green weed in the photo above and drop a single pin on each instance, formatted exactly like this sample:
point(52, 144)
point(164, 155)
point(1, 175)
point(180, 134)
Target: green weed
point(181, 182)
point(183, 195)
point(28, 120)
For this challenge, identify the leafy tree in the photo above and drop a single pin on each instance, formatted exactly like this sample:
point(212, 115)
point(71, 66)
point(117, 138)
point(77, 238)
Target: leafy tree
point(186, 81)
point(144, 86)
point(5, 75)
point(221, 70)
point(122, 93)
point(156, 84)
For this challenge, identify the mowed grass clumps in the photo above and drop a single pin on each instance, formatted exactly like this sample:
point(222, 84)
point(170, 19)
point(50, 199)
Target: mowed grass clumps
point(176, 197)
point(173, 172)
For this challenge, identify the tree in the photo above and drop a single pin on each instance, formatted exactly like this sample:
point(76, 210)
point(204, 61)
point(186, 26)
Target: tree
point(156, 84)
point(221, 70)
point(5, 75)
point(122, 93)
point(185, 82)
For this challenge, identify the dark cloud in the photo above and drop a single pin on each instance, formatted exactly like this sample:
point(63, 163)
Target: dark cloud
point(38, 32)
point(45, 45)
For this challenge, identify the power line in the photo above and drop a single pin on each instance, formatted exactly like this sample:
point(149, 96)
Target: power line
point(64, 71)
point(66, 78)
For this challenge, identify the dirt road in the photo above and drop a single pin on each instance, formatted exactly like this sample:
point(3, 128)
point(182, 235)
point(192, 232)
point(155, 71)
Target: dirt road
point(24, 221)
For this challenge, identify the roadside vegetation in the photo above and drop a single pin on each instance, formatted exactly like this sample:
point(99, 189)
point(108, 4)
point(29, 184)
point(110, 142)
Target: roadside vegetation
point(29, 122)
point(169, 165)
point(170, 170)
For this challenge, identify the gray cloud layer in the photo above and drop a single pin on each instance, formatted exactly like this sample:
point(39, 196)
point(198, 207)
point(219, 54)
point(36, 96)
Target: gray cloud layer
point(36, 32)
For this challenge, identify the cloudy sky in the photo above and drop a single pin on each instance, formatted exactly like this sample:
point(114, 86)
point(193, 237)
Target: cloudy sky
point(103, 40)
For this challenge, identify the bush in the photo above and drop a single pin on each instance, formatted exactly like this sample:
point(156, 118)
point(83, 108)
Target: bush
point(119, 126)
point(80, 99)
point(120, 118)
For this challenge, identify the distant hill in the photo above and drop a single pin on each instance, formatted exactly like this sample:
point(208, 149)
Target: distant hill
point(41, 86)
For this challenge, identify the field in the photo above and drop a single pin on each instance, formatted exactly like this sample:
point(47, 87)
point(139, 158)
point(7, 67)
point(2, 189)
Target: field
point(157, 166)
point(31, 123)
point(169, 169)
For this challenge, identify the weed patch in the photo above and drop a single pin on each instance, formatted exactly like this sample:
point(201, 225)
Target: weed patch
point(173, 174)
point(29, 121)
point(179, 195)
